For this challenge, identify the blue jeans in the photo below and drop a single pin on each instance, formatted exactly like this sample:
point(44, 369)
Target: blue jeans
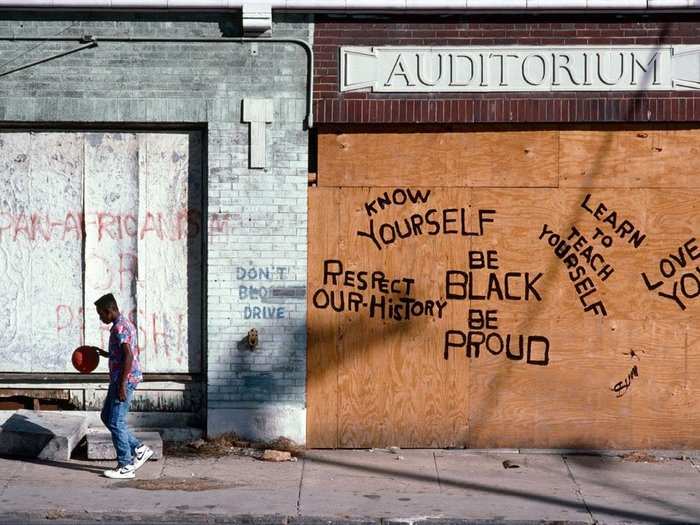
point(114, 417)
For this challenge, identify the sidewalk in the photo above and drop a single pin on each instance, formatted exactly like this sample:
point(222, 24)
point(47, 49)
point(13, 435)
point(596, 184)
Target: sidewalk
point(456, 486)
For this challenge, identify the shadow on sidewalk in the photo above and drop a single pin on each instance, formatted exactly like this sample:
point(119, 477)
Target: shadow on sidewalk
point(59, 464)
point(500, 491)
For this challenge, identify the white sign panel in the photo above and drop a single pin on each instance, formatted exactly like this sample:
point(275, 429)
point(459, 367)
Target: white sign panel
point(536, 68)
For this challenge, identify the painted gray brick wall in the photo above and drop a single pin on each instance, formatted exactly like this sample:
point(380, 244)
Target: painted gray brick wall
point(256, 254)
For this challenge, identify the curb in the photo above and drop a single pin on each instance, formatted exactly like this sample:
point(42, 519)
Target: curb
point(59, 517)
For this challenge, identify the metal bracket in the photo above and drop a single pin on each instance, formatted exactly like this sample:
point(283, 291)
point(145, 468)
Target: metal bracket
point(257, 18)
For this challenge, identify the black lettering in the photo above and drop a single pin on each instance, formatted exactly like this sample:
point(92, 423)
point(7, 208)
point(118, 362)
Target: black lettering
point(530, 286)
point(483, 219)
point(369, 208)
point(455, 279)
point(684, 287)
point(416, 222)
point(370, 234)
point(387, 240)
point(648, 283)
point(534, 356)
point(418, 196)
point(432, 222)
point(408, 232)
point(490, 347)
point(399, 196)
point(383, 201)
point(320, 299)
point(446, 221)
point(584, 204)
point(521, 349)
point(328, 272)
point(454, 339)
point(474, 342)
point(511, 275)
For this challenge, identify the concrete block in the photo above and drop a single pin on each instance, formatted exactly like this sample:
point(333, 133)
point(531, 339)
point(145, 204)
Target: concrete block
point(99, 444)
point(43, 435)
point(261, 422)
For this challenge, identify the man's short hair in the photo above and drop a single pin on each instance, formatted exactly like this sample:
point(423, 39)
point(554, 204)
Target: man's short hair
point(107, 302)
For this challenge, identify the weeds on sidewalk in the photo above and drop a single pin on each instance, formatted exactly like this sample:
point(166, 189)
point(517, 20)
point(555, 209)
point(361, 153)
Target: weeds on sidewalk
point(639, 456)
point(231, 445)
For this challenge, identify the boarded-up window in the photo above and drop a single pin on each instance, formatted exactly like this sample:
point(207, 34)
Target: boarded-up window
point(84, 214)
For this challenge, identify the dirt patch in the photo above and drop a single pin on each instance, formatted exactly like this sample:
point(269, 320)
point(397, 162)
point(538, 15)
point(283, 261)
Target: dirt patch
point(55, 514)
point(185, 484)
point(639, 456)
point(230, 445)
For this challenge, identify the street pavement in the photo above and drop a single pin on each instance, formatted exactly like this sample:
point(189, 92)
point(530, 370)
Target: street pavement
point(359, 486)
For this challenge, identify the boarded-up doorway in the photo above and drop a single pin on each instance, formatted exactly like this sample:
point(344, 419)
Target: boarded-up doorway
point(446, 309)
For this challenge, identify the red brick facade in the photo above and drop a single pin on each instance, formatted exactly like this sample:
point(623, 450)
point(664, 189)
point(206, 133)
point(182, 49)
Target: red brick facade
point(332, 107)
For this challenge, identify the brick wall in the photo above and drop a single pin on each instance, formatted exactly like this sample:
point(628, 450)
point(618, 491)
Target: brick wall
point(332, 107)
point(260, 214)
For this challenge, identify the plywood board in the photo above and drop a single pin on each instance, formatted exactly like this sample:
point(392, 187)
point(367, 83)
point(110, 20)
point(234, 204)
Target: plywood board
point(322, 327)
point(598, 351)
point(15, 252)
point(629, 158)
point(111, 228)
point(40, 250)
point(454, 159)
point(56, 168)
point(573, 402)
point(394, 384)
point(169, 248)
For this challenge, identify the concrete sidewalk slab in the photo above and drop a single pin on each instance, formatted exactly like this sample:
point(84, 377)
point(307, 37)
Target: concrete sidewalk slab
point(619, 491)
point(44, 435)
point(427, 487)
point(79, 487)
point(376, 484)
point(478, 485)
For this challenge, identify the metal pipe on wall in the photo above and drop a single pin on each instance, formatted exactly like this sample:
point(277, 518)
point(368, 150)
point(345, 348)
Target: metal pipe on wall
point(93, 41)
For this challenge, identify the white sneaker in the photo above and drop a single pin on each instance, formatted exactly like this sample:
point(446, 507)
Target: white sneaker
point(141, 455)
point(123, 472)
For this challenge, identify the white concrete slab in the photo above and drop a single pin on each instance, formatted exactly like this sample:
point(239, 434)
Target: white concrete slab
point(619, 491)
point(43, 435)
point(367, 484)
point(476, 485)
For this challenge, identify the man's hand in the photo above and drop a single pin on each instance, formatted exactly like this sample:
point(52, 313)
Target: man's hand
point(100, 351)
point(122, 392)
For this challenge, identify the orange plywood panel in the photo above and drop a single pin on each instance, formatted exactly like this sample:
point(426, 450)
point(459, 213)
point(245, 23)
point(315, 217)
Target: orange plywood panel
point(568, 314)
point(629, 158)
point(322, 327)
point(458, 159)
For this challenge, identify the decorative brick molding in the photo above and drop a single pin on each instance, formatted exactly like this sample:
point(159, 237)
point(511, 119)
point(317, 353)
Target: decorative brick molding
point(332, 107)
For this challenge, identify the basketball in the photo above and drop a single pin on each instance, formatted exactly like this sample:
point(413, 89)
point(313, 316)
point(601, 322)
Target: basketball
point(85, 359)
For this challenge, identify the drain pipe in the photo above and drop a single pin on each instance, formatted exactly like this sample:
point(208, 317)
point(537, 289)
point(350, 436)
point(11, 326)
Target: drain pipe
point(93, 41)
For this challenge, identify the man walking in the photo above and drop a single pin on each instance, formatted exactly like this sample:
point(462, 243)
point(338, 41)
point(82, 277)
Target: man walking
point(124, 376)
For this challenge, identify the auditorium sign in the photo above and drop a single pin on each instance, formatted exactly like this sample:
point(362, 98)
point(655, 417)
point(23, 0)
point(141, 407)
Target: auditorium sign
point(519, 68)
